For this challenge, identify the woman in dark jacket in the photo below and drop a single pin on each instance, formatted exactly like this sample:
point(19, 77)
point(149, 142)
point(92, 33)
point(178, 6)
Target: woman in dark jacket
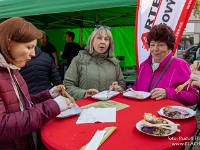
point(20, 113)
point(40, 73)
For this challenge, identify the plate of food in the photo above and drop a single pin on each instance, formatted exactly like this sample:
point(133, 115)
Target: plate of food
point(154, 126)
point(75, 110)
point(137, 94)
point(176, 112)
point(105, 95)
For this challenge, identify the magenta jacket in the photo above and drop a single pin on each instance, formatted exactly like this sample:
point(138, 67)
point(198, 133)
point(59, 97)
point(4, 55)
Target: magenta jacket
point(177, 73)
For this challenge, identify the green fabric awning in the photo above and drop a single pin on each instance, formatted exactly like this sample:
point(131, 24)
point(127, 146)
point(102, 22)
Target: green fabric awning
point(58, 16)
point(10, 8)
point(51, 14)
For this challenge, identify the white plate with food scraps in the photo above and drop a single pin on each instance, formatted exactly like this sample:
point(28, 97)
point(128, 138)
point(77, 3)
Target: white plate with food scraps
point(176, 112)
point(139, 126)
point(75, 110)
point(105, 95)
point(141, 94)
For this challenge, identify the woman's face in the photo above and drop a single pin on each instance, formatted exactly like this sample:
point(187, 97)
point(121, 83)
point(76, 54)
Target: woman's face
point(22, 52)
point(101, 42)
point(159, 50)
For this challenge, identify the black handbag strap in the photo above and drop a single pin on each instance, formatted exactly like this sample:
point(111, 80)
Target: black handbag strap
point(164, 70)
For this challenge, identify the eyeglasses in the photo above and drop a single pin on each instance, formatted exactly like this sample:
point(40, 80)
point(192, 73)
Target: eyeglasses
point(98, 26)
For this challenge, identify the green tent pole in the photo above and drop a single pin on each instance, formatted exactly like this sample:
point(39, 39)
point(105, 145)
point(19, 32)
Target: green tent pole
point(81, 36)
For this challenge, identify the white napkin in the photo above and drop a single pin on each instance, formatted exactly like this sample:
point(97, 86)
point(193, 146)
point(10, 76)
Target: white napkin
point(92, 115)
point(95, 141)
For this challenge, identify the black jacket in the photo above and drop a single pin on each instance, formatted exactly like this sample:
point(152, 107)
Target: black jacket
point(71, 50)
point(40, 73)
point(49, 49)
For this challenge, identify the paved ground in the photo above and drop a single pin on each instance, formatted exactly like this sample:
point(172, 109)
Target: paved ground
point(196, 146)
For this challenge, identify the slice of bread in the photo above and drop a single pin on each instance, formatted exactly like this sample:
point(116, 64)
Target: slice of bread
point(153, 119)
point(149, 117)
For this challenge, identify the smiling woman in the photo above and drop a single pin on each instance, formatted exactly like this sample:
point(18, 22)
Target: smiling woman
point(161, 73)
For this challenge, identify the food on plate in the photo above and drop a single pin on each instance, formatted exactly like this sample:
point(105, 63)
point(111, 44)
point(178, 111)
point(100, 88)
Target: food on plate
point(137, 94)
point(156, 130)
point(103, 96)
point(174, 112)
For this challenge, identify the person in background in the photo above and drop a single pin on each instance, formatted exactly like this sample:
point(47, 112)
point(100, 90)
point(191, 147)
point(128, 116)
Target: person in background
point(195, 76)
point(22, 114)
point(182, 44)
point(71, 48)
point(40, 73)
point(161, 40)
point(187, 45)
point(95, 69)
point(48, 48)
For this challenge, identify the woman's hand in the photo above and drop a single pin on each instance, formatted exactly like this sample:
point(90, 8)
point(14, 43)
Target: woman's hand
point(195, 76)
point(115, 87)
point(158, 93)
point(68, 102)
point(56, 90)
point(90, 92)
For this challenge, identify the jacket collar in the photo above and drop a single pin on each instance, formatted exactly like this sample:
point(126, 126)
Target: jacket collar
point(163, 62)
point(99, 56)
point(85, 57)
point(4, 64)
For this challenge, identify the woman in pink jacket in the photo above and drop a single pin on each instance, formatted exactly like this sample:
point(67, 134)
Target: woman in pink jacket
point(161, 73)
point(20, 113)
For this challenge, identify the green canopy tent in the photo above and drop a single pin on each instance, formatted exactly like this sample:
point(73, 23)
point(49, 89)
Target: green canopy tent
point(80, 16)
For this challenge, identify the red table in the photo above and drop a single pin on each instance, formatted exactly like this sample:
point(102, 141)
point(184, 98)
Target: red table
point(66, 134)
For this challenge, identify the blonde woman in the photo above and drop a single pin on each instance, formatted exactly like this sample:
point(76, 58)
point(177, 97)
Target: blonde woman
point(95, 69)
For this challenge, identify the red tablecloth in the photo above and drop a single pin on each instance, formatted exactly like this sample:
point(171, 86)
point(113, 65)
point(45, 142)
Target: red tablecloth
point(66, 134)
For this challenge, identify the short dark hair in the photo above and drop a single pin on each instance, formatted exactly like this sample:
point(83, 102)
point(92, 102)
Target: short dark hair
point(162, 33)
point(71, 34)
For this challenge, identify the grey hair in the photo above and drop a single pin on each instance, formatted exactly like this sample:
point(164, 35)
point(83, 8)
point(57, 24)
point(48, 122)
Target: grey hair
point(89, 48)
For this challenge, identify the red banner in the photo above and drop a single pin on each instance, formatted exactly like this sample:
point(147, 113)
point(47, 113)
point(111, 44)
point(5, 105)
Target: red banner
point(174, 13)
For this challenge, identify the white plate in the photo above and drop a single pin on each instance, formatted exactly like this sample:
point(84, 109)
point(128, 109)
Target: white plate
point(139, 126)
point(75, 110)
point(105, 95)
point(179, 108)
point(130, 94)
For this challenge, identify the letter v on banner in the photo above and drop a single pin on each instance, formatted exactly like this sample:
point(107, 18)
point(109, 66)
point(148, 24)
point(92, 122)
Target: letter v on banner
point(174, 13)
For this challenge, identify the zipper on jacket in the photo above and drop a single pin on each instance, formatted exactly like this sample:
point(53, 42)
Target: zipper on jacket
point(150, 82)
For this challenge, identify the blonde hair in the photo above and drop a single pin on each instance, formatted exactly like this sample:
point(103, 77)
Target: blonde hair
point(89, 48)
